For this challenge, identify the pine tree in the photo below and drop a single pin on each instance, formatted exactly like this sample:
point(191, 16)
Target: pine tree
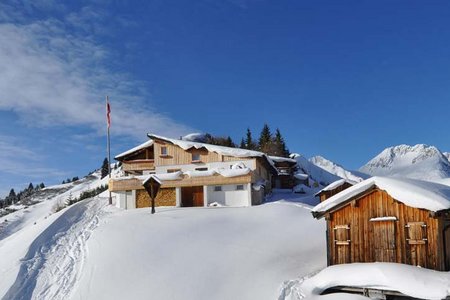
point(265, 139)
point(229, 142)
point(249, 143)
point(42, 185)
point(30, 187)
point(105, 168)
point(63, 182)
point(279, 145)
point(12, 197)
point(242, 146)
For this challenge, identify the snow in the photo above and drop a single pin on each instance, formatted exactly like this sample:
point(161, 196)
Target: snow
point(382, 219)
point(418, 162)
point(301, 176)
point(336, 169)
point(178, 175)
point(336, 184)
point(201, 253)
point(137, 148)
point(409, 280)
point(194, 137)
point(194, 174)
point(227, 151)
point(316, 173)
point(282, 159)
point(415, 193)
point(156, 178)
point(234, 172)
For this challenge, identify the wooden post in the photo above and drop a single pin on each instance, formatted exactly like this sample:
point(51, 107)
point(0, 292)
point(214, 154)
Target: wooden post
point(108, 142)
point(152, 195)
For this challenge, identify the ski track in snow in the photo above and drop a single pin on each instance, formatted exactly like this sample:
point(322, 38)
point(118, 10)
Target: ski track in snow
point(54, 261)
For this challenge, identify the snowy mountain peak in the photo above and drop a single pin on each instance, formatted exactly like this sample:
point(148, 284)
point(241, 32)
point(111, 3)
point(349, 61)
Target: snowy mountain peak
point(420, 161)
point(334, 168)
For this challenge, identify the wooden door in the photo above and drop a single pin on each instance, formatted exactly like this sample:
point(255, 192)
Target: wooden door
point(417, 242)
point(192, 196)
point(384, 241)
point(197, 196)
point(342, 244)
point(447, 247)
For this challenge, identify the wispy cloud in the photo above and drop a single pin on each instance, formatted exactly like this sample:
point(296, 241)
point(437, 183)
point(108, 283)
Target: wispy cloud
point(17, 159)
point(54, 72)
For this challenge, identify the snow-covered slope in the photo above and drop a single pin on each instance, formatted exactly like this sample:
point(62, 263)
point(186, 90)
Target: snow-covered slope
point(447, 155)
point(335, 169)
point(419, 161)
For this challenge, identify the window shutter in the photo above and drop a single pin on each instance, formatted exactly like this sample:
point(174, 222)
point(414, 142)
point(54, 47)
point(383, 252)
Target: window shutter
point(341, 235)
point(417, 233)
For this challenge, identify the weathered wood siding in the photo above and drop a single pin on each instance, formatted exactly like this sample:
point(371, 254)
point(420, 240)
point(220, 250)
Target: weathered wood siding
point(324, 195)
point(165, 197)
point(401, 241)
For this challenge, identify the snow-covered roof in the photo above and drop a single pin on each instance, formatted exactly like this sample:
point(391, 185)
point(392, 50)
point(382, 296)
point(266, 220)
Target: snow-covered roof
point(233, 172)
point(334, 185)
point(415, 193)
point(301, 176)
point(137, 148)
point(227, 151)
point(412, 281)
point(282, 159)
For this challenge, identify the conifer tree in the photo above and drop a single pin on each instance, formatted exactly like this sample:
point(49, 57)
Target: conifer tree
point(42, 185)
point(12, 197)
point(249, 143)
point(279, 145)
point(30, 187)
point(105, 168)
point(265, 139)
point(242, 145)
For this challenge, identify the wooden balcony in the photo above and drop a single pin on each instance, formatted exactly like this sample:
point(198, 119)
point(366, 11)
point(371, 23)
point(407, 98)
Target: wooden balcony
point(138, 165)
point(125, 184)
point(133, 183)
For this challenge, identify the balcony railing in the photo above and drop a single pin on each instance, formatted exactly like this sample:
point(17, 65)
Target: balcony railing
point(139, 165)
point(135, 183)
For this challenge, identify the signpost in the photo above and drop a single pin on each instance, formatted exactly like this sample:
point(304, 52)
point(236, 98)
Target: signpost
point(152, 185)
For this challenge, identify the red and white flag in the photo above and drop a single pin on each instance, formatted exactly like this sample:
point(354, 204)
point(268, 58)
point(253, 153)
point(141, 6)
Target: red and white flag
point(108, 112)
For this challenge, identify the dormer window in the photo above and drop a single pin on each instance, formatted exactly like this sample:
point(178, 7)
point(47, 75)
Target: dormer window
point(196, 157)
point(163, 151)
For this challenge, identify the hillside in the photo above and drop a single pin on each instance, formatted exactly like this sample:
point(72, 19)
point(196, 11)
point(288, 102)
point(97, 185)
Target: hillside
point(336, 169)
point(419, 161)
point(189, 253)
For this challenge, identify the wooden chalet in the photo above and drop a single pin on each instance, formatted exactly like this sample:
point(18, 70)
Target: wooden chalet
point(286, 168)
point(333, 188)
point(389, 220)
point(192, 174)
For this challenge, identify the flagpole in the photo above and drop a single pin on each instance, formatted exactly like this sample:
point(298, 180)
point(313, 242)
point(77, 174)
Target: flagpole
point(108, 148)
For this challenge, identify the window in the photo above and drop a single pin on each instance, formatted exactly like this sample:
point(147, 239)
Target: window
point(163, 151)
point(201, 169)
point(417, 233)
point(239, 187)
point(196, 157)
point(173, 170)
point(217, 188)
point(342, 234)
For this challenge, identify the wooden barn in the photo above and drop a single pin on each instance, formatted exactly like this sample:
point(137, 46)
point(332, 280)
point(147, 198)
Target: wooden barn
point(389, 220)
point(333, 188)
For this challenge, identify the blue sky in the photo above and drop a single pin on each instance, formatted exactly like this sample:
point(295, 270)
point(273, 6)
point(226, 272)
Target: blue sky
point(341, 79)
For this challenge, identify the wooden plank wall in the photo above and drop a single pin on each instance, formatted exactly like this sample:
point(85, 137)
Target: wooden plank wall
point(179, 156)
point(362, 248)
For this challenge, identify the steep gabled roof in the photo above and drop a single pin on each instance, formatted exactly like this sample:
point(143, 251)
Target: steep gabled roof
point(135, 149)
point(415, 193)
point(334, 185)
point(227, 151)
